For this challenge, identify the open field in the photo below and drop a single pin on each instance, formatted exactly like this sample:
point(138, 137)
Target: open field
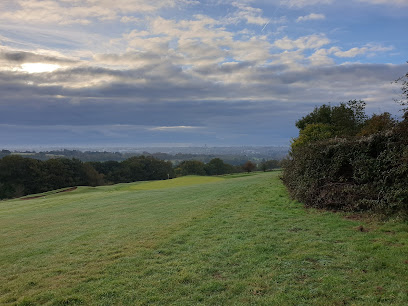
point(196, 240)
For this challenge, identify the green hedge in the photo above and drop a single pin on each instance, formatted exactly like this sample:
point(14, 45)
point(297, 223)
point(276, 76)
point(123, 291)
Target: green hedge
point(356, 174)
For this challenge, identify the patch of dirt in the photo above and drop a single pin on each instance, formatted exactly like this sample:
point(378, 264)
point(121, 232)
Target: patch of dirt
point(354, 217)
point(30, 198)
point(394, 244)
point(67, 190)
point(218, 276)
point(379, 290)
point(362, 229)
point(41, 196)
point(258, 291)
point(295, 229)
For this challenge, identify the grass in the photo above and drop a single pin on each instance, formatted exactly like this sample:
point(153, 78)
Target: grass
point(179, 182)
point(195, 241)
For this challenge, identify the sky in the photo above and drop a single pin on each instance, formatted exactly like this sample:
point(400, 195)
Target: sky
point(191, 73)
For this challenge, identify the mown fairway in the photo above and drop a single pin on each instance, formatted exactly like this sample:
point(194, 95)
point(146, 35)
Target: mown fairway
point(195, 240)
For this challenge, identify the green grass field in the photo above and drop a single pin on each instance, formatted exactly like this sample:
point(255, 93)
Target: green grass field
point(196, 240)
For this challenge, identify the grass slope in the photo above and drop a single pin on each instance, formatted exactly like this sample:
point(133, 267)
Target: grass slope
point(215, 241)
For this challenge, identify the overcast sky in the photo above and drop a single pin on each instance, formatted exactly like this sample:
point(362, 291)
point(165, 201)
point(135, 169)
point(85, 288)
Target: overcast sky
point(186, 72)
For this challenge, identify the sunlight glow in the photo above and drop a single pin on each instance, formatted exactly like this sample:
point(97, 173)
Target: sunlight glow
point(38, 67)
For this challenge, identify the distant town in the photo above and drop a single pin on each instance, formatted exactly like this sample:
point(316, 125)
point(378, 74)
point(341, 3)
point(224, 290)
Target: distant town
point(232, 155)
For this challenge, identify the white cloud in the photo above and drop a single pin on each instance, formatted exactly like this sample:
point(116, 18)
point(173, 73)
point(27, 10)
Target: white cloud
point(353, 52)
point(321, 58)
point(195, 57)
point(307, 42)
point(248, 14)
point(311, 16)
point(387, 2)
point(128, 19)
point(303, 3)
point(83, 11)
point(174, 128)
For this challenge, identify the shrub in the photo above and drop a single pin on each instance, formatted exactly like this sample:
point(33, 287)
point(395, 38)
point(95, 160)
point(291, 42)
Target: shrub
point(366, 173)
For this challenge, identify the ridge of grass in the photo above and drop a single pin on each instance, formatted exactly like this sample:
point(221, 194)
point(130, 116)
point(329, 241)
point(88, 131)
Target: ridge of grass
point(230, 241)
point(176, 182)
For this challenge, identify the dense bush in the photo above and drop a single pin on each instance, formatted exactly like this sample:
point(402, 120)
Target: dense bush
point(216, 166)
point(144, 168)
point(190, 167)
point(20, 176)
point(137, 168)
point(269, 164)
point(354, 173)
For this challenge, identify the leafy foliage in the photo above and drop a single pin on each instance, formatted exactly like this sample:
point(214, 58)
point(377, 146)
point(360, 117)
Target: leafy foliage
point(191, 167)
point(377, 123)
point(249, 166)
point(269, 165)
point(313, 132)
point(403, 100)
point(359, 174)
point(216, 166)
point(360, 167)
point(345, 119)
point(20, 176)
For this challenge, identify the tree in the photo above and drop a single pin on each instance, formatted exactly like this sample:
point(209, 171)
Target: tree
point(93, 177)
point(216, 166)
point(269, 164)
point(191, 167)
point(320, 114)
point(19, 176)
point(313, 132)
point(346, 119)
point(264, 166)
point(249, 166)
point(143, 168)
point(378, 123)
point(403, 99)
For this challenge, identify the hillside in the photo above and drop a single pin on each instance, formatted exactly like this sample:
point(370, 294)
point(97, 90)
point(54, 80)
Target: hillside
point(237, 239)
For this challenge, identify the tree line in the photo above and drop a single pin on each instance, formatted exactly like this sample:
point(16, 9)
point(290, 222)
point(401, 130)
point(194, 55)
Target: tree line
point(21, 176)
point(235, 159)
point(344, 159)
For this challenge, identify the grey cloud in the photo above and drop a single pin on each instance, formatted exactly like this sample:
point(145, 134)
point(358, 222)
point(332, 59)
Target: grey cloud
point(269, 112)
point(20, 57)
point(129, 58)
point(171, 83)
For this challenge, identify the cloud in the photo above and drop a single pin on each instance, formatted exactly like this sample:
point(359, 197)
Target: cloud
point(249, 14)
point(303, 3)
point(136, 104)
point(219, 76)
point(83, 12)
point(20, 57)
point(353, 52)
point(311, 16)
point(128, 19)
point(398, 3)
point(174, 128)
point(307, 42)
